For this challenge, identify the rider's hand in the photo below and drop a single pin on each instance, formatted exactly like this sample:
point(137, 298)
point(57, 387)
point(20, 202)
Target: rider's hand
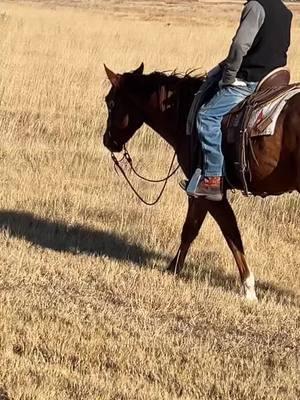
point(236, 82)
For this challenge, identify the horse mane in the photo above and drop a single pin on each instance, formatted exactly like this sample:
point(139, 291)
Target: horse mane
point(149, 83)
point(182, 87)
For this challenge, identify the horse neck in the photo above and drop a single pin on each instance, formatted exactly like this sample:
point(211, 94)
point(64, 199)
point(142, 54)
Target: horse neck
point(164, 128)
point(165, 109)
point(164, 116)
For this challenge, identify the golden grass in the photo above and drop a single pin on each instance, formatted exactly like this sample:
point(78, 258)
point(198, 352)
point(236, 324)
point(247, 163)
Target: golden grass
point(85, 312)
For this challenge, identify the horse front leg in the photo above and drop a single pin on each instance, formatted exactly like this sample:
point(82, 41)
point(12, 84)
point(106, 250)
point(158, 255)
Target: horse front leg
point(197, 211)
point(223, 214)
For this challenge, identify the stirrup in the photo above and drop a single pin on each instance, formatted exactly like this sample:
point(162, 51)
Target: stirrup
point(183, 184)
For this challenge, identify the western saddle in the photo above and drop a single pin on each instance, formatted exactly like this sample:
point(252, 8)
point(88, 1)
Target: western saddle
point(237, 136)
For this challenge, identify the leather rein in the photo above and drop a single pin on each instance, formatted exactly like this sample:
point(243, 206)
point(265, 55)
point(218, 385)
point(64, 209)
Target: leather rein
point(128, 159)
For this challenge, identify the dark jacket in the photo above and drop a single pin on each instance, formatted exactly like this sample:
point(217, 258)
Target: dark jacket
point(261, 42)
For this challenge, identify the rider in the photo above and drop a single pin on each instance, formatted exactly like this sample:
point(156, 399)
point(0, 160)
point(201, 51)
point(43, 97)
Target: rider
point(259, 46)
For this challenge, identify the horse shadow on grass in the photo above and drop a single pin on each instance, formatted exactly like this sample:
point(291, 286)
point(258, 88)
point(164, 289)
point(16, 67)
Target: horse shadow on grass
point(74, 239)
point(77, 239)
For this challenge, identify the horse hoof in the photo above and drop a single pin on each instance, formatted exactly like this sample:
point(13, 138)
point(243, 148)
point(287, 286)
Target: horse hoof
point(249, 288)
point(251, 297)
point(172, 269)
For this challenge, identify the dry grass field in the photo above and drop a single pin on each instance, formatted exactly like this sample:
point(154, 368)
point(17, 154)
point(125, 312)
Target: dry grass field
point(85, 310)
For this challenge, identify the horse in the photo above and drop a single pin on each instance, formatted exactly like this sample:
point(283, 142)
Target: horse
point(162, 101)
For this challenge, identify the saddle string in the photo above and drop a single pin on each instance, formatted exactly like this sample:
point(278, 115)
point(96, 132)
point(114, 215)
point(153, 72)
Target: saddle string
point(127, 157)
point(253, 153)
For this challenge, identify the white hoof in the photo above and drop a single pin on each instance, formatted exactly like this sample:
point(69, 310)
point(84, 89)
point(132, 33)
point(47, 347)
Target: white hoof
point(249, 288)
point(251, 296)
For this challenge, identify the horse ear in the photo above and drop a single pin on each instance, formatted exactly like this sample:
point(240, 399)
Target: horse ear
point(113, 78)
point(140, 69)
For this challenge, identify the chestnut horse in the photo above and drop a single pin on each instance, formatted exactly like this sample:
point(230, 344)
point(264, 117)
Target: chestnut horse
point(163, 102)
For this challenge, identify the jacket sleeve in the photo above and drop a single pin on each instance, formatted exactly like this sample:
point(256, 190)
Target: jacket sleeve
point(252, 19)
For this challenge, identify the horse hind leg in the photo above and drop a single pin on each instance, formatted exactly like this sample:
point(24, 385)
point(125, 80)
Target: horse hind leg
point(223, 214)
point(193, 222)
point(298, 168)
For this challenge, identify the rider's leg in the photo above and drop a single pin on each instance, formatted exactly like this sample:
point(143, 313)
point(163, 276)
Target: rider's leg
point(209, 119)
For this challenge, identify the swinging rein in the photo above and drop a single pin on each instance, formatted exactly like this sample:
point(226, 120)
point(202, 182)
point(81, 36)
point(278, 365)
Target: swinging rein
point(128, 158)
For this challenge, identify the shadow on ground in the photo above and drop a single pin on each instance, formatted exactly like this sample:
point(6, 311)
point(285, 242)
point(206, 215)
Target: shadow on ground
point(74, 239)
point(77, 239)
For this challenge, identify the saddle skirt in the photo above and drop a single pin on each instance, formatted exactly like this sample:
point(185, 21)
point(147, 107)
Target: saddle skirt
point(258, 114)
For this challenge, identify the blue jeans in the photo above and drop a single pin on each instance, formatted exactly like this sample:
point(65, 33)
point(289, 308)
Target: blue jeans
point(208, 123)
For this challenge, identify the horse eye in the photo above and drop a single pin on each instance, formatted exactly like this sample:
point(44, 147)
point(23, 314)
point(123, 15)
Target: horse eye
point(111, 104)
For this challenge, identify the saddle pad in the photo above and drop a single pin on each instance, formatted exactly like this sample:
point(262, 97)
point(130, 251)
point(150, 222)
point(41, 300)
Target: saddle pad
point(263, 120)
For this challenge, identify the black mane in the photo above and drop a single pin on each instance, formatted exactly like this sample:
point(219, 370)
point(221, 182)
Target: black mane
point(147, 84)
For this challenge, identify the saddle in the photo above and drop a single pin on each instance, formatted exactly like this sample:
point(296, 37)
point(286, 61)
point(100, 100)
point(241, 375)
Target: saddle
point(237, 132)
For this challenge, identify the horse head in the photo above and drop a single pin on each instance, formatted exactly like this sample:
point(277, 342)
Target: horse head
point(124, 115)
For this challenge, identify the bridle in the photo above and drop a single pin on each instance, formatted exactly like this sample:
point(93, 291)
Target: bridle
point(128, 159)
point(126, 156)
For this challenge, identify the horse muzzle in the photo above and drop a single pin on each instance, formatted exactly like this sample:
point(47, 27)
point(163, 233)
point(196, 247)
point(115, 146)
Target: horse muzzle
point(111, 144)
